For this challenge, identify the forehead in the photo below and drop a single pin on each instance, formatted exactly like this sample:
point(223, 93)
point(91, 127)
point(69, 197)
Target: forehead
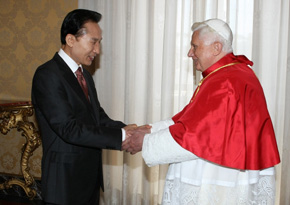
point(93, 29)
point(195, 38)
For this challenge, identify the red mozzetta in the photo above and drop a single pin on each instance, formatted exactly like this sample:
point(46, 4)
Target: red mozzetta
point(227, 121)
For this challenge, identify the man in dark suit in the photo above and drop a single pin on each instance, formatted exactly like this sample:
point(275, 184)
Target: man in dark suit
point(73, 125)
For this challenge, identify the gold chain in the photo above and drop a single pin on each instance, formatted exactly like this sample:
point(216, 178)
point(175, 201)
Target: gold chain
point(199, 84)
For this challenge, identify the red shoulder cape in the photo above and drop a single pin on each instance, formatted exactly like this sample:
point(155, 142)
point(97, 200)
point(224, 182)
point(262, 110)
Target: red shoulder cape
point(227, 120)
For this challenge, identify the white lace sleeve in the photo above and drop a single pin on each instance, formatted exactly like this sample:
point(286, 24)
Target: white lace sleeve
point(160, 148)
point(161, 125)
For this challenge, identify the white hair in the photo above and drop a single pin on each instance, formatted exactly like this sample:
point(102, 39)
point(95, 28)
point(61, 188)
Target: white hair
point(209, 36)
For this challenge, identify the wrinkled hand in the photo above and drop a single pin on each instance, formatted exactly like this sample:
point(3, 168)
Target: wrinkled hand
point(130, 127)
point(134, 139)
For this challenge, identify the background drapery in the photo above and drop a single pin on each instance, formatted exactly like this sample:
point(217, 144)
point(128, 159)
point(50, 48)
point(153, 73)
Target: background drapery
point(144, 75)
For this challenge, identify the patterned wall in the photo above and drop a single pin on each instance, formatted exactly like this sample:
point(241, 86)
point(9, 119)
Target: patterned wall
point(29, 36)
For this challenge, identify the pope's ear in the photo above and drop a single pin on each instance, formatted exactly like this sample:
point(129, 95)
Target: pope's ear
point(218, 47)
point(70, 39)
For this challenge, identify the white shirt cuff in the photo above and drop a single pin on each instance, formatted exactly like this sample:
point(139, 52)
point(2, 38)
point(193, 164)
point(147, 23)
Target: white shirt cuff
point(123, 134)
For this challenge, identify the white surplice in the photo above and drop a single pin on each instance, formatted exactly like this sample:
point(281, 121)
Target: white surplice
point(192, 180)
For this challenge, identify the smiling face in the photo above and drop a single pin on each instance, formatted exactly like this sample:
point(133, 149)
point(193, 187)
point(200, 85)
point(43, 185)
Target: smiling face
point(83, 49)
point(203, 55)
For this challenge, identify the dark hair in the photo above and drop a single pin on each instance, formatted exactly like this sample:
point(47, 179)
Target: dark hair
point(75, 20)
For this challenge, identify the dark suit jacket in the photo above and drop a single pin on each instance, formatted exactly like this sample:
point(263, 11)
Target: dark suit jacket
point(73, 132)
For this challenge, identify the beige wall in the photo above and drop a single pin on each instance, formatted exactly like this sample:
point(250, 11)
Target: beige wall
point(29, 36)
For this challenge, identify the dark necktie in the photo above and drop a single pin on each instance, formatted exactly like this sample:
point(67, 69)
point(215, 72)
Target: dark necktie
point(82, 82)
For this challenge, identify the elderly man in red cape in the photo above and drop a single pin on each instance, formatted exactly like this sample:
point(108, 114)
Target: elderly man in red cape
point(221, 147)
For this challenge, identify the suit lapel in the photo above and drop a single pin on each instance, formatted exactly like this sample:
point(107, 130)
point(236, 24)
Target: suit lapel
point(69, 76)
point(92, 93)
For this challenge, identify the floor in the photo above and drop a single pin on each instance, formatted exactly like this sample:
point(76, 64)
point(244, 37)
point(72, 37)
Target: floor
point(16, 195)
point(18, 201)
point(13, 199)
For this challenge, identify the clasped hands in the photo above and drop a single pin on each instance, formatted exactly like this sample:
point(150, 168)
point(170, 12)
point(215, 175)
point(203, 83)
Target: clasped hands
point(134, 137)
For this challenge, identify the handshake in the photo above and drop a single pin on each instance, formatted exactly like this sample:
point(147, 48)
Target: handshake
point(134, 137)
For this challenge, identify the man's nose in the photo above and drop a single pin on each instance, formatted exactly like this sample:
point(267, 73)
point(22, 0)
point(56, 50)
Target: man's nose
point(190, 53)
point(97, 48)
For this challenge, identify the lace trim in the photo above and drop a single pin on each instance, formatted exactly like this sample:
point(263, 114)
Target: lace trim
point(260, 193)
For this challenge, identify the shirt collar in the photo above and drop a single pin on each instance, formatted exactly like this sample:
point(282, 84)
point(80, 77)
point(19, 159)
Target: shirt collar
point(69, 61)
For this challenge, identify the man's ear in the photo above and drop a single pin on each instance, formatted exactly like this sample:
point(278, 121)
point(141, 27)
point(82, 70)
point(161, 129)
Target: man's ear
point(70, 39)
point(217, 48)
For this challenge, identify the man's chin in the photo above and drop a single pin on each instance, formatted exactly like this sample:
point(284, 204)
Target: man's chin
point(196, 67)
point(88, 63)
